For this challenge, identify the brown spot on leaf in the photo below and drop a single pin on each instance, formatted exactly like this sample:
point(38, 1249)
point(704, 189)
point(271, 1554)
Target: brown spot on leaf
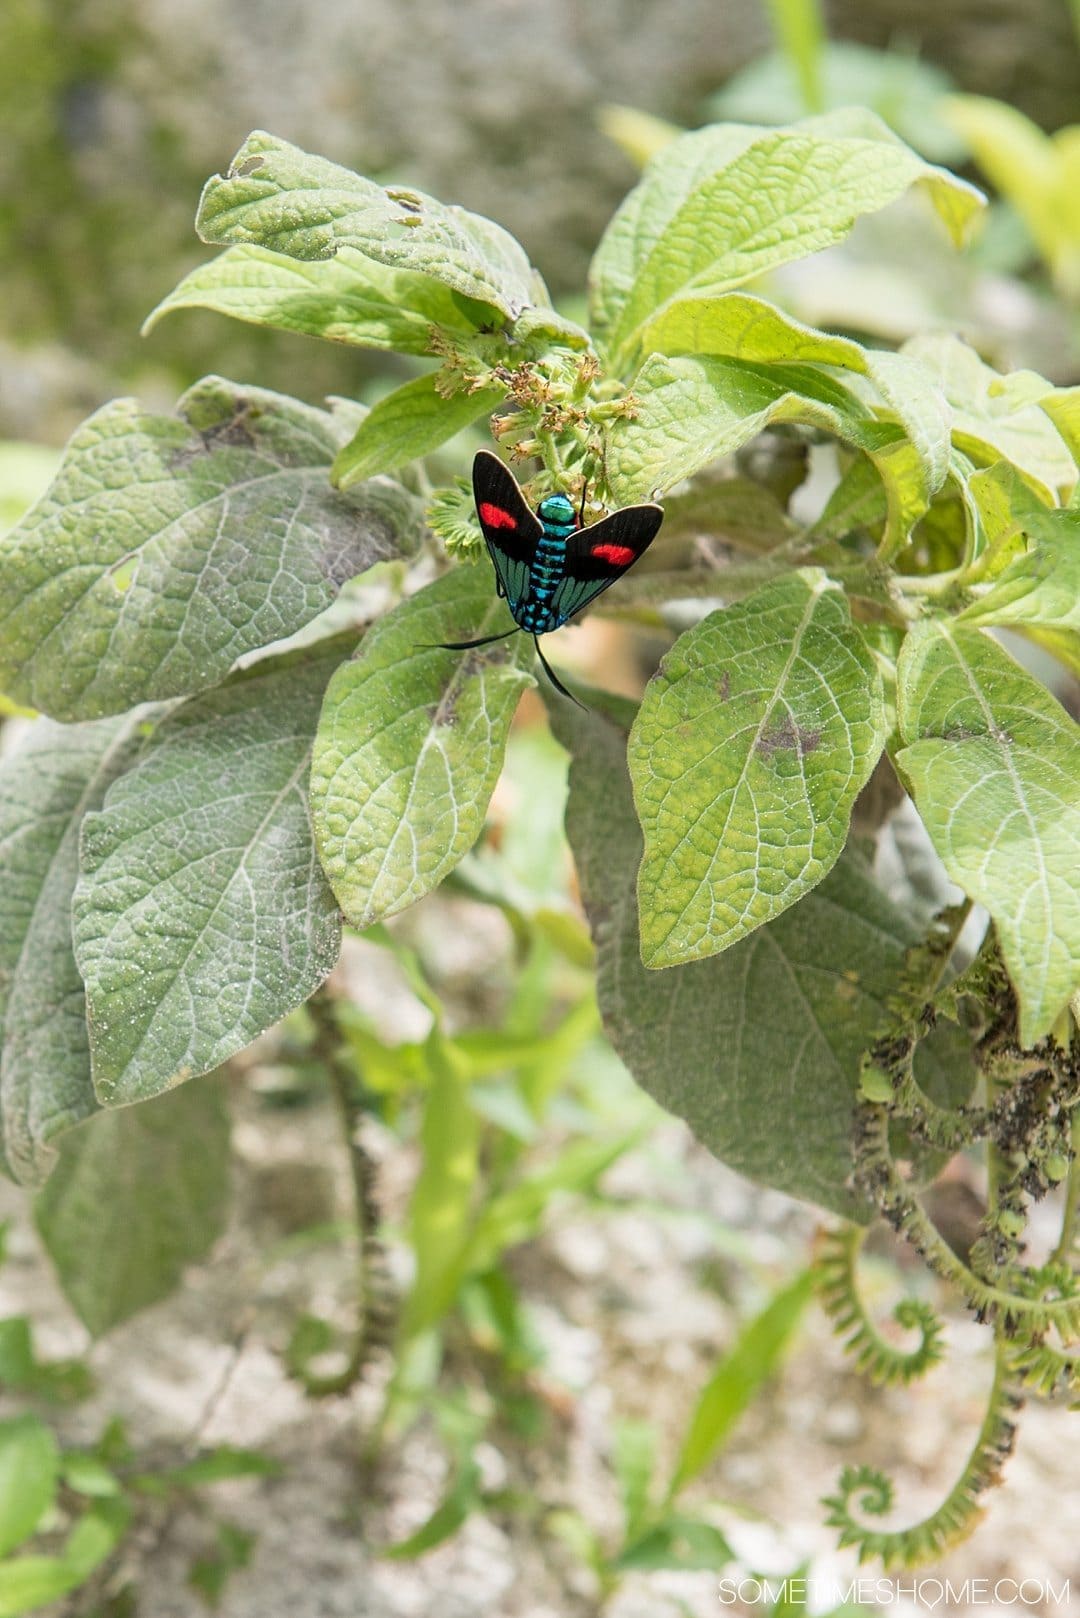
point(787, 737)
point(723, 686)
point(248, 166)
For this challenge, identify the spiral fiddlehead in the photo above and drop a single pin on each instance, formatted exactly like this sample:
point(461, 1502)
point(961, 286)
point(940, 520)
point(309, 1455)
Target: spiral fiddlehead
point(957, 1514)
point(874, 1356)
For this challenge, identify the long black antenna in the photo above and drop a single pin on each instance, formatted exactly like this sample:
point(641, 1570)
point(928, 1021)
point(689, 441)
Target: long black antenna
point(467, 645)
point(554, 678)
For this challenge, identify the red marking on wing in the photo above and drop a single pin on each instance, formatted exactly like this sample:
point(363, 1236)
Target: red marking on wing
point(495, 516)
point(617, 555)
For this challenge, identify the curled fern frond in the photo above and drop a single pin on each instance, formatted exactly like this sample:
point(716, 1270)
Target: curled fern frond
point(893, 1057)
point(874, 1356)
point(1044, 1369)
point(1021, 1303)
point(871, 1493)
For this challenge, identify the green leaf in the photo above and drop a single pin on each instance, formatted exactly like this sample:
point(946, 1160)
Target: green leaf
point(137, 1195)
point(757, 1049)
point(406, 424)
point(25, 473)
point(800, 30)
point(688, 412)
point(277, 196)
point(1039, 174)
point(88, 1475)
point(752, 743)
point(346, 299)
point(993, 764)
point(29, 1467)
point(726, 203)
point(210, 1573)
point(633, 1460)
point(169, 545)
point(29, 1582)
point(52, 777)
point(904, 90)
point(739, 326)
point(997, 416)
point(410, 745)
point(679, 1541)
point(752, 1359)
point(440, 1211)
point(202, 915)
point(463, 1497)
point(1041, 588)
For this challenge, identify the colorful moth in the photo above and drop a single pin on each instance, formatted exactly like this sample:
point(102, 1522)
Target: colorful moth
point(547, 566)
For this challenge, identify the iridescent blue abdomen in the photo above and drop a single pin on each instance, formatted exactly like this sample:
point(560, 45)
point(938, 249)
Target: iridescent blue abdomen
point(548, 566)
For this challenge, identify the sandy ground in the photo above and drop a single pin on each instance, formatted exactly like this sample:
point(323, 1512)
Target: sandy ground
point(633, 1304)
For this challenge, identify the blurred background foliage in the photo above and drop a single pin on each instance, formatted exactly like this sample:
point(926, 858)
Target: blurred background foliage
point(112, 114)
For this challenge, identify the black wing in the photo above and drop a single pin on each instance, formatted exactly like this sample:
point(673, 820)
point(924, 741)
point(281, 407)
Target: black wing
point(597, 556)
point(511, 530)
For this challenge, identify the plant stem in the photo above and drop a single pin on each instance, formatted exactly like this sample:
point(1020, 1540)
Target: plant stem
point(327, 1049)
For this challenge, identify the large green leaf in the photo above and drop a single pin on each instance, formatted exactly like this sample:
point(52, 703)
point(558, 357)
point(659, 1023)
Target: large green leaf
point(742, 327)
point(138, 1194)
point(726, 203)
point(1041, 587)
point(752, 743)
point(752, 1359)
point(408, 423)
point(346, 299)
point(993, 763)
point(202, 915)
point(757, 1049)
point(688, 411)
point(410, 745)
point(29, 1469)
point(277, 196)
point(1019, 417)
point(48, 782)
point(169, 545)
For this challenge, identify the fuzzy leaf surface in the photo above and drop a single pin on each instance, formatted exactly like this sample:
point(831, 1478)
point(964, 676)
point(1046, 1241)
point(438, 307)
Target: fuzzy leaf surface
point(138, 1194)
point(49, 781)
point(168, 546)
point(406, 424)
point(280, 197)
point(993, 764)
point(410, 745)
point(739, 326)
point(690, 411)
point(757, 1049)
point(349, 298)
point(752, 742)
point(202, 915)
point(726, 203)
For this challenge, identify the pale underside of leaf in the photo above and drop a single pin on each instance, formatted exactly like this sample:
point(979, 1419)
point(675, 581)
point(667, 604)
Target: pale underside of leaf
point(168, 546)
point(47, 784)
point(202, 915)
point(139, 1194)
